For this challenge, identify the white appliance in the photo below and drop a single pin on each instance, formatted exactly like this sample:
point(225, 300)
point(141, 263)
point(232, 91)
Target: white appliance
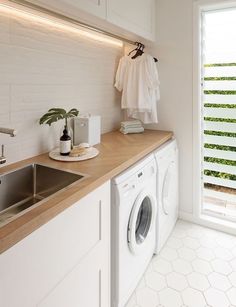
point(133, 227)
point(87, 129)
point(167, 191)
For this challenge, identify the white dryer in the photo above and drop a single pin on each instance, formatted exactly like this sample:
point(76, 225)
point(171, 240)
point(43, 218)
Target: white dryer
point(133, 226)
point(167, 191)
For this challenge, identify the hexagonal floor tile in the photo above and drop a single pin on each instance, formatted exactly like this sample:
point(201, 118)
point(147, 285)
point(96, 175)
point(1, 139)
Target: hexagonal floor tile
point(191, 243)
point(233, 264)
point(216, 298)
point(198, 281)
point(205, 253)
point(232, 278)
point(176, 281)
point(195, 233)
point(202, 266)
point(221, 266)
point(179, 233)
point(234, 250)
point(142, 283)
point(131, 301)
point(196, 268)
point(187, 253)
point(150, 267)
point(223, 253)
point(211, 233)
point(226, 241)
point(170, 298)
point(182, 266)
point(232, 296)
point(174, 243)
point(147, 297)
point(219, 281)
point(193, 298)
point(162, 266)
point(181, 224)
point(155, 281)
point(207, 242)
point(168, 254)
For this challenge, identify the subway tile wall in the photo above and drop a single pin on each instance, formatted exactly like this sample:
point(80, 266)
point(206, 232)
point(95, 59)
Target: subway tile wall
point(43, 67)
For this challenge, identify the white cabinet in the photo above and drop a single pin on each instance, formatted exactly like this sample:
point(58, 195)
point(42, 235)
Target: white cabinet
point(94, 7)
point(73, 7)
point(66, 262)
point(137, 16)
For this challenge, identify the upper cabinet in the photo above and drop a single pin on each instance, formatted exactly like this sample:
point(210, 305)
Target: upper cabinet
point(74, 7)
point(94, 7)
point(137, 16)
point(134, 16)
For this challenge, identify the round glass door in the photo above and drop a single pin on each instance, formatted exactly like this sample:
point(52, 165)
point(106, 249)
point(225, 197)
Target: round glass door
point(141, 221)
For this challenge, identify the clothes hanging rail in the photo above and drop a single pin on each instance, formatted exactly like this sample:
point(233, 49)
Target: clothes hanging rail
point(50, 13)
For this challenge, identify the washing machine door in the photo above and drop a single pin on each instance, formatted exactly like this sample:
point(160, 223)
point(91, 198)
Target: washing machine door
point(166, 187)
point(141, 221)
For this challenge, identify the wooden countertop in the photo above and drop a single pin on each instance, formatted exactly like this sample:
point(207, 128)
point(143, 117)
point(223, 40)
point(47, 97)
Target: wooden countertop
point(117, 153)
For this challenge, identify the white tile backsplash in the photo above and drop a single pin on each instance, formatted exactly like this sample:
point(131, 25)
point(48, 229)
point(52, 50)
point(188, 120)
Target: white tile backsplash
point(43, 67)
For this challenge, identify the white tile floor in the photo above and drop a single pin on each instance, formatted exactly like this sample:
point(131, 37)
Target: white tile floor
point(196, 268)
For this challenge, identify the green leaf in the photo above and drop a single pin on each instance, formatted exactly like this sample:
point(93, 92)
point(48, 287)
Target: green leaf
point(55, 114)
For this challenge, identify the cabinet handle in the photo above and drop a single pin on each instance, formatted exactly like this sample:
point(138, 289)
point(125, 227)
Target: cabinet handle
point(100, 220)
point(100, 288)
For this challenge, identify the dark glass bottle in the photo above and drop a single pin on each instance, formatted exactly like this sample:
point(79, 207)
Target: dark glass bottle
point(65, 143)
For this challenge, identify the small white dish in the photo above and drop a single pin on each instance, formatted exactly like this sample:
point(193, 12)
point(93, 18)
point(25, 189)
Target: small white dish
point(55, 155)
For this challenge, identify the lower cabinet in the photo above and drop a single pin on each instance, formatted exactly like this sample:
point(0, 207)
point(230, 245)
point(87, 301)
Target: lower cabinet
point(81, 287)
point(66, 262)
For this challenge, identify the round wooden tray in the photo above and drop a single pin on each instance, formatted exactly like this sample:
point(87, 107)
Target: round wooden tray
point(55, 155)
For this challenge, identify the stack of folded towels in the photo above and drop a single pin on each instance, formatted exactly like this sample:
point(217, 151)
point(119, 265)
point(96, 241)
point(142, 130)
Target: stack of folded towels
point(131, 126)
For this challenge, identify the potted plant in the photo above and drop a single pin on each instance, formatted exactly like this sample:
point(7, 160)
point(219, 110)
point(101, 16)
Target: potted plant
point(52, 116)
point(55, 114)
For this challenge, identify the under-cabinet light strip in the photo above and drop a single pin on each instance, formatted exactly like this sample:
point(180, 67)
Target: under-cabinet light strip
point(29, 11)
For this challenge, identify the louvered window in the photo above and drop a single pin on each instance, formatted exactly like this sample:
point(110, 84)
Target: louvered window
point(219, 112)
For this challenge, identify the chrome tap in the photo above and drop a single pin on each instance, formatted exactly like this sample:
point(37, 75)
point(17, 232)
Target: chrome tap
point(11, 132)
point(2, 157)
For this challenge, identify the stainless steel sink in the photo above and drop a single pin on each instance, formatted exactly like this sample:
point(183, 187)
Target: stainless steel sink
point(24, 187)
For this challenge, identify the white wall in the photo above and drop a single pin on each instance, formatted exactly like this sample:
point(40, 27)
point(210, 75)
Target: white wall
point(42, 67)
point(174, 51)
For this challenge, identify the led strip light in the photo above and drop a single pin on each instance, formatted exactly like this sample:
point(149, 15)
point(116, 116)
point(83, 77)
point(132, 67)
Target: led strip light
point(26, 10)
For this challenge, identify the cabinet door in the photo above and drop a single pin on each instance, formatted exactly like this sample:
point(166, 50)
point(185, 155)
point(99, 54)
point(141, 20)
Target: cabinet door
point(34, 267)
point(137, 16)
point(81, 287)
point(73, 7)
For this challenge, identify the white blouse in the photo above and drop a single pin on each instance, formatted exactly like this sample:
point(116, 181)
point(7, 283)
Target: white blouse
point(139, 82)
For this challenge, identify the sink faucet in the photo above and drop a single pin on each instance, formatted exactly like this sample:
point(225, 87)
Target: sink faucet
point(2, 157)
point(11, 132)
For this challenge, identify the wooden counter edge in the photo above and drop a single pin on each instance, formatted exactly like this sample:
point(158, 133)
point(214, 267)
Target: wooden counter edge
point(19, 228)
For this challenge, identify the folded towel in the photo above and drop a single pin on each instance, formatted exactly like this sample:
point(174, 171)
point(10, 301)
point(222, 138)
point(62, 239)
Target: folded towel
point(131, 123)
point(131, 127)
point(131, 130)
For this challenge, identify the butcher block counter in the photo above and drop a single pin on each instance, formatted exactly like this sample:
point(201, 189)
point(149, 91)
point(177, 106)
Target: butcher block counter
point(117, 153)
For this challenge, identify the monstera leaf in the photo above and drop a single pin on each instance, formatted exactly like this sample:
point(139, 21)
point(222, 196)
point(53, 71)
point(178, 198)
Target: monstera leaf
point(55, 114)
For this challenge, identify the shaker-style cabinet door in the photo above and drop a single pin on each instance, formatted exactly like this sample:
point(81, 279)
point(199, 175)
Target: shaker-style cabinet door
point(137, 16)
point(65, 262)
point(75, 7)
point(94, 7)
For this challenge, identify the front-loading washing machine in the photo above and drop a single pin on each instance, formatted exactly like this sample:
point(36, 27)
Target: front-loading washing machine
point(133, 225)
point(167, 191)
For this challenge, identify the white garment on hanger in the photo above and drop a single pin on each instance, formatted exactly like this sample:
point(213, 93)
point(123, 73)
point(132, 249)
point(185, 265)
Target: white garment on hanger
point(139, 81)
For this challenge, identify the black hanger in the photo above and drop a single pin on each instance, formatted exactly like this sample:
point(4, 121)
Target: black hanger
point(139, 51)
